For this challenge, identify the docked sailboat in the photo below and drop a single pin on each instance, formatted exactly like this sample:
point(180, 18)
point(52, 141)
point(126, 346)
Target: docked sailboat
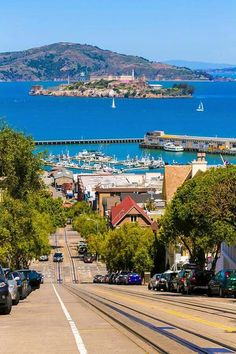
point(113, 103)
point(200, 107)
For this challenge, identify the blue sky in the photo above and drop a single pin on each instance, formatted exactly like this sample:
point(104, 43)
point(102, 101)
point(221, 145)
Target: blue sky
point(201, 30)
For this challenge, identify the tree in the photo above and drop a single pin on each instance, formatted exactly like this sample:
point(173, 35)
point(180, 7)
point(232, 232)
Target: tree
point(202, 214)
point(128, 248)
point(79, 208)
point(28, 213)
point(23, 232)
point(20, 167)
point(88, 224)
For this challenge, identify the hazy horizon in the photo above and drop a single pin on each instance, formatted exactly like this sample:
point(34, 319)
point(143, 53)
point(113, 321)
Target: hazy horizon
point(164, 31)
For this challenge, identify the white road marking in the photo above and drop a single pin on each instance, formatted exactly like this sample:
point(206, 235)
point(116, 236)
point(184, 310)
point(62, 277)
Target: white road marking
point(75, 331)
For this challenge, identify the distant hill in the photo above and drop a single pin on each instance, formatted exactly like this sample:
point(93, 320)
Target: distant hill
point(198, 65)
point(57, 61)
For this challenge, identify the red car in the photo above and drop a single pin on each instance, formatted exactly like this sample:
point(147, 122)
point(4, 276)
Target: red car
point(88, 258)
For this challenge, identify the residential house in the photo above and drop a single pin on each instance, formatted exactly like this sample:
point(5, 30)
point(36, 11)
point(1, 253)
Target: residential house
point(128, 211)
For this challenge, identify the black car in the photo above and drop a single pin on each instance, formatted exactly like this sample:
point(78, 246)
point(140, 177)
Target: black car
point(197, 280)
point(5, 297)
point(58, 257)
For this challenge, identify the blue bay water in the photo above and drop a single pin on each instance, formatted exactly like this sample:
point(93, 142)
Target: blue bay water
point(75, 118)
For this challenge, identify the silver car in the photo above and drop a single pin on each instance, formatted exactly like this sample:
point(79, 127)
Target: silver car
point(13, 288)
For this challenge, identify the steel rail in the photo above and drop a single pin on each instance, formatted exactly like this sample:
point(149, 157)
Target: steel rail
point(195, 305)
point(183, 342)
point(73, 268)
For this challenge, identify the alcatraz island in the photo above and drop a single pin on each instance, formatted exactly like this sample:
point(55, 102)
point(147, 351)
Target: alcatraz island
point(124, 86)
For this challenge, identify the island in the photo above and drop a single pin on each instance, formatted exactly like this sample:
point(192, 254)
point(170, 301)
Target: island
point(118, 87)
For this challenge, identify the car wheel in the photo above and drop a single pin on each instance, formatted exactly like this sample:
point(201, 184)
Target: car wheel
point(178, 289)
point(221, 292)
point(17, 299)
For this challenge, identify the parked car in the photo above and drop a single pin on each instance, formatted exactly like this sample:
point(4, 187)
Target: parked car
point(105, 278)
point(122, 278)
point(58, 257)
point(197, 280)
point(133, 279)
point(111, 277)
point(98, 278)
point(180, 282)
point(169, 278)
point(22, 284)
point(82, 249)
point(5, 296)
point(88, 258)
point(153, 282)
point(43, 258)
point(13, 288)
point(223, 283)
point(33, 277)
point(25, 275)
point(41, 275)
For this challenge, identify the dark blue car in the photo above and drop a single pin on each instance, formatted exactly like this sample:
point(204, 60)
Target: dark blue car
point(133, 279)
point(5, 297)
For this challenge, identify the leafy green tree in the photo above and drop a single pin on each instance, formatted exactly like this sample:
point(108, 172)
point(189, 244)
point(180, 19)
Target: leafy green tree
point(18, 164)
point(88, 224)
point(44, 203)
point(28, 213)
point(79, 208)
point(202, 214)
point(23, 232)
point(128, 248)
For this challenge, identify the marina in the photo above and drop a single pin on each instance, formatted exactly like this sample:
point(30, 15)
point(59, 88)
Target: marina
point(99, 162)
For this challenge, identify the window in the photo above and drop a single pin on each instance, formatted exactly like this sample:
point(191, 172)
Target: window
point(133, 218)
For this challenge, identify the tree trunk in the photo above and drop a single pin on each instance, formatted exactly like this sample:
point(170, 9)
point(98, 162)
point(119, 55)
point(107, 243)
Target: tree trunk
point(213, 266)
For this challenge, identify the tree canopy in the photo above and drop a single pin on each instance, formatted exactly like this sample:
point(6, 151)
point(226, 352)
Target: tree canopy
point(128, 248)
point(18, 165)
point(28, 213)
point(202, 214)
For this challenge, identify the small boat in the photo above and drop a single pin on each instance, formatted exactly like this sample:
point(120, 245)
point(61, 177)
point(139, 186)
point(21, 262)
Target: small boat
point(113, 103)
point(200, 107)
point(173, 147)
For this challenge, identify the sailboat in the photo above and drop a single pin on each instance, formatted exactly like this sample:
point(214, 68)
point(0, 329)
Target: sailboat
point(113, 103)
point(200, 107)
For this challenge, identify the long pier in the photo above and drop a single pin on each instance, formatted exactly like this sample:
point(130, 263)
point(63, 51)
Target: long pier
point(90, 141)
point(210, 145)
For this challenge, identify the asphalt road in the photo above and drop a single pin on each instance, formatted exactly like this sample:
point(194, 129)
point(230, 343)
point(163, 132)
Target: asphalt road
point(77, 316)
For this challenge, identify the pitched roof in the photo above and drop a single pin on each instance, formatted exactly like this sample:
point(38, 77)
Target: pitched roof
point(119, 211)
point(174, 177)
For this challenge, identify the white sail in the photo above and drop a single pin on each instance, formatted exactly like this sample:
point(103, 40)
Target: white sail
point(200, 107)
point(113, 103)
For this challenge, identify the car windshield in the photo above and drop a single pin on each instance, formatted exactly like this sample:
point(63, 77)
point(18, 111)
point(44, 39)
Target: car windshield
point(58, 254)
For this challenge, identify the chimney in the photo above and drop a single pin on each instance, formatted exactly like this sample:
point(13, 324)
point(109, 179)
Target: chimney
point(200, 164)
